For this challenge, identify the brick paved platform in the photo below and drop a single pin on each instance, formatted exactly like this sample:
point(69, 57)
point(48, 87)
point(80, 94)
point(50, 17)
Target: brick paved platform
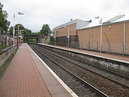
point(27, 76)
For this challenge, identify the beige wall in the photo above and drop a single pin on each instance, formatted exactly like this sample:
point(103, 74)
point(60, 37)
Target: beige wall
point(64, 30)
point(112, 37)
point(127, 38)
point(95, 38)
point(90, 37)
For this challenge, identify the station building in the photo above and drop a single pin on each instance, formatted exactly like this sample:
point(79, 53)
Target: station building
point(67, 33)
point(111, 35)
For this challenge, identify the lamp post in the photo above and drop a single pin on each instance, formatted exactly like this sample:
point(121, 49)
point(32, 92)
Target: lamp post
point(101, 30)
point(68, 36)
point(55, 37)
point(19, 13)
point(19, 33)
point(124, 44)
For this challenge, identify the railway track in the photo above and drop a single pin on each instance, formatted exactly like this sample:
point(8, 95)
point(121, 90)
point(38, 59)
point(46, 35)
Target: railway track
point(78, 85)
point(106, 73)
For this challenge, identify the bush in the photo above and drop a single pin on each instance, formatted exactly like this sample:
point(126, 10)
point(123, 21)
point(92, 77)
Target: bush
point(48, 40)
point(31, 40)
point(2, 47)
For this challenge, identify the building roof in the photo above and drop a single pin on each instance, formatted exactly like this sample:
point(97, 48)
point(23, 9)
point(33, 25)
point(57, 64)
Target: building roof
point(79, 24)
point(96, 22)
point(114, 18)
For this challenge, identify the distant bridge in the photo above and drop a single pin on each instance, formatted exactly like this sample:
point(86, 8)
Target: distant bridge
point(39, 38)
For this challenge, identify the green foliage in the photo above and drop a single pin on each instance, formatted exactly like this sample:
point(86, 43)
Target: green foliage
point(11, 30)
point(19, 27)
point(3, 21)
point(5, 65)
point(48, 40)
point(27, 32)
point(45, 30)
point(2, 47)
point(31, 40)
point(35, 33)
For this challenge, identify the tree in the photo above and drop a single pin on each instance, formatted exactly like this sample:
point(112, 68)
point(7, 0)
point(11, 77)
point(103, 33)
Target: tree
point(45, 30)
point(4, 23)
point(18, 27)
point(27, 32)
point(10, 30)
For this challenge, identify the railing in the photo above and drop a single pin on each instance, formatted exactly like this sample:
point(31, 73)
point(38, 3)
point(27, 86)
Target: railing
point(112, 47)
point(5, 54)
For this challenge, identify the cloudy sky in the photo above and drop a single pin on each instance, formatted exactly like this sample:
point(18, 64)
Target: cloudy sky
point(57, 12)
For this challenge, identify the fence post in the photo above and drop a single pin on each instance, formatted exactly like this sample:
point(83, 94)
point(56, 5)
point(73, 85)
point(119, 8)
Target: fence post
point(89, 44)
point(123, 48)
point(108, 47)
point(97, 46)
point(76, 45)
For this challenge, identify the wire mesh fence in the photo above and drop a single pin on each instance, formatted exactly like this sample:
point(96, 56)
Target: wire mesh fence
point(112, 47)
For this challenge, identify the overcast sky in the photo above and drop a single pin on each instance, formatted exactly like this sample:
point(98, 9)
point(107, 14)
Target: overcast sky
point(57, 12)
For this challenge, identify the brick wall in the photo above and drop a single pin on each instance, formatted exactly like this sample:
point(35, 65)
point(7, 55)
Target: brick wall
point(112, 38)
point(64, 30)
point(127, 38)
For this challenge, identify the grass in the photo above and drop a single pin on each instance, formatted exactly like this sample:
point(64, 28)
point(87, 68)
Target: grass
point(2, 47)
point(5, 65)
point(48, 40)
point(31, 40)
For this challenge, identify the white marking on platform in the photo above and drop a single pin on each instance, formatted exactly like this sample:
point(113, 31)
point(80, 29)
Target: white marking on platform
point(62, 83)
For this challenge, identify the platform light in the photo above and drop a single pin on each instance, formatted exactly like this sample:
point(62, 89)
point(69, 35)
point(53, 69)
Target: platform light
point(100, 32)
point(19, 13)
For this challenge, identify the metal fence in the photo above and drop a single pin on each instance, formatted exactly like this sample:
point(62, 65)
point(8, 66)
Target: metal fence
point(5, 53)
point(112, 47)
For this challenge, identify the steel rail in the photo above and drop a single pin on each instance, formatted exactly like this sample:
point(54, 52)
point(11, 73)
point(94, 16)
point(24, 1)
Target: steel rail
point(101, 94)
point(113, 72)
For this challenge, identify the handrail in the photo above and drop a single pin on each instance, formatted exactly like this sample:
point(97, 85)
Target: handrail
point(6, 49)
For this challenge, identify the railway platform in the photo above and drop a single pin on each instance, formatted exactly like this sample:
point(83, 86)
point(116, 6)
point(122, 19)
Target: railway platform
point(119, 58)
point(28, 76)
